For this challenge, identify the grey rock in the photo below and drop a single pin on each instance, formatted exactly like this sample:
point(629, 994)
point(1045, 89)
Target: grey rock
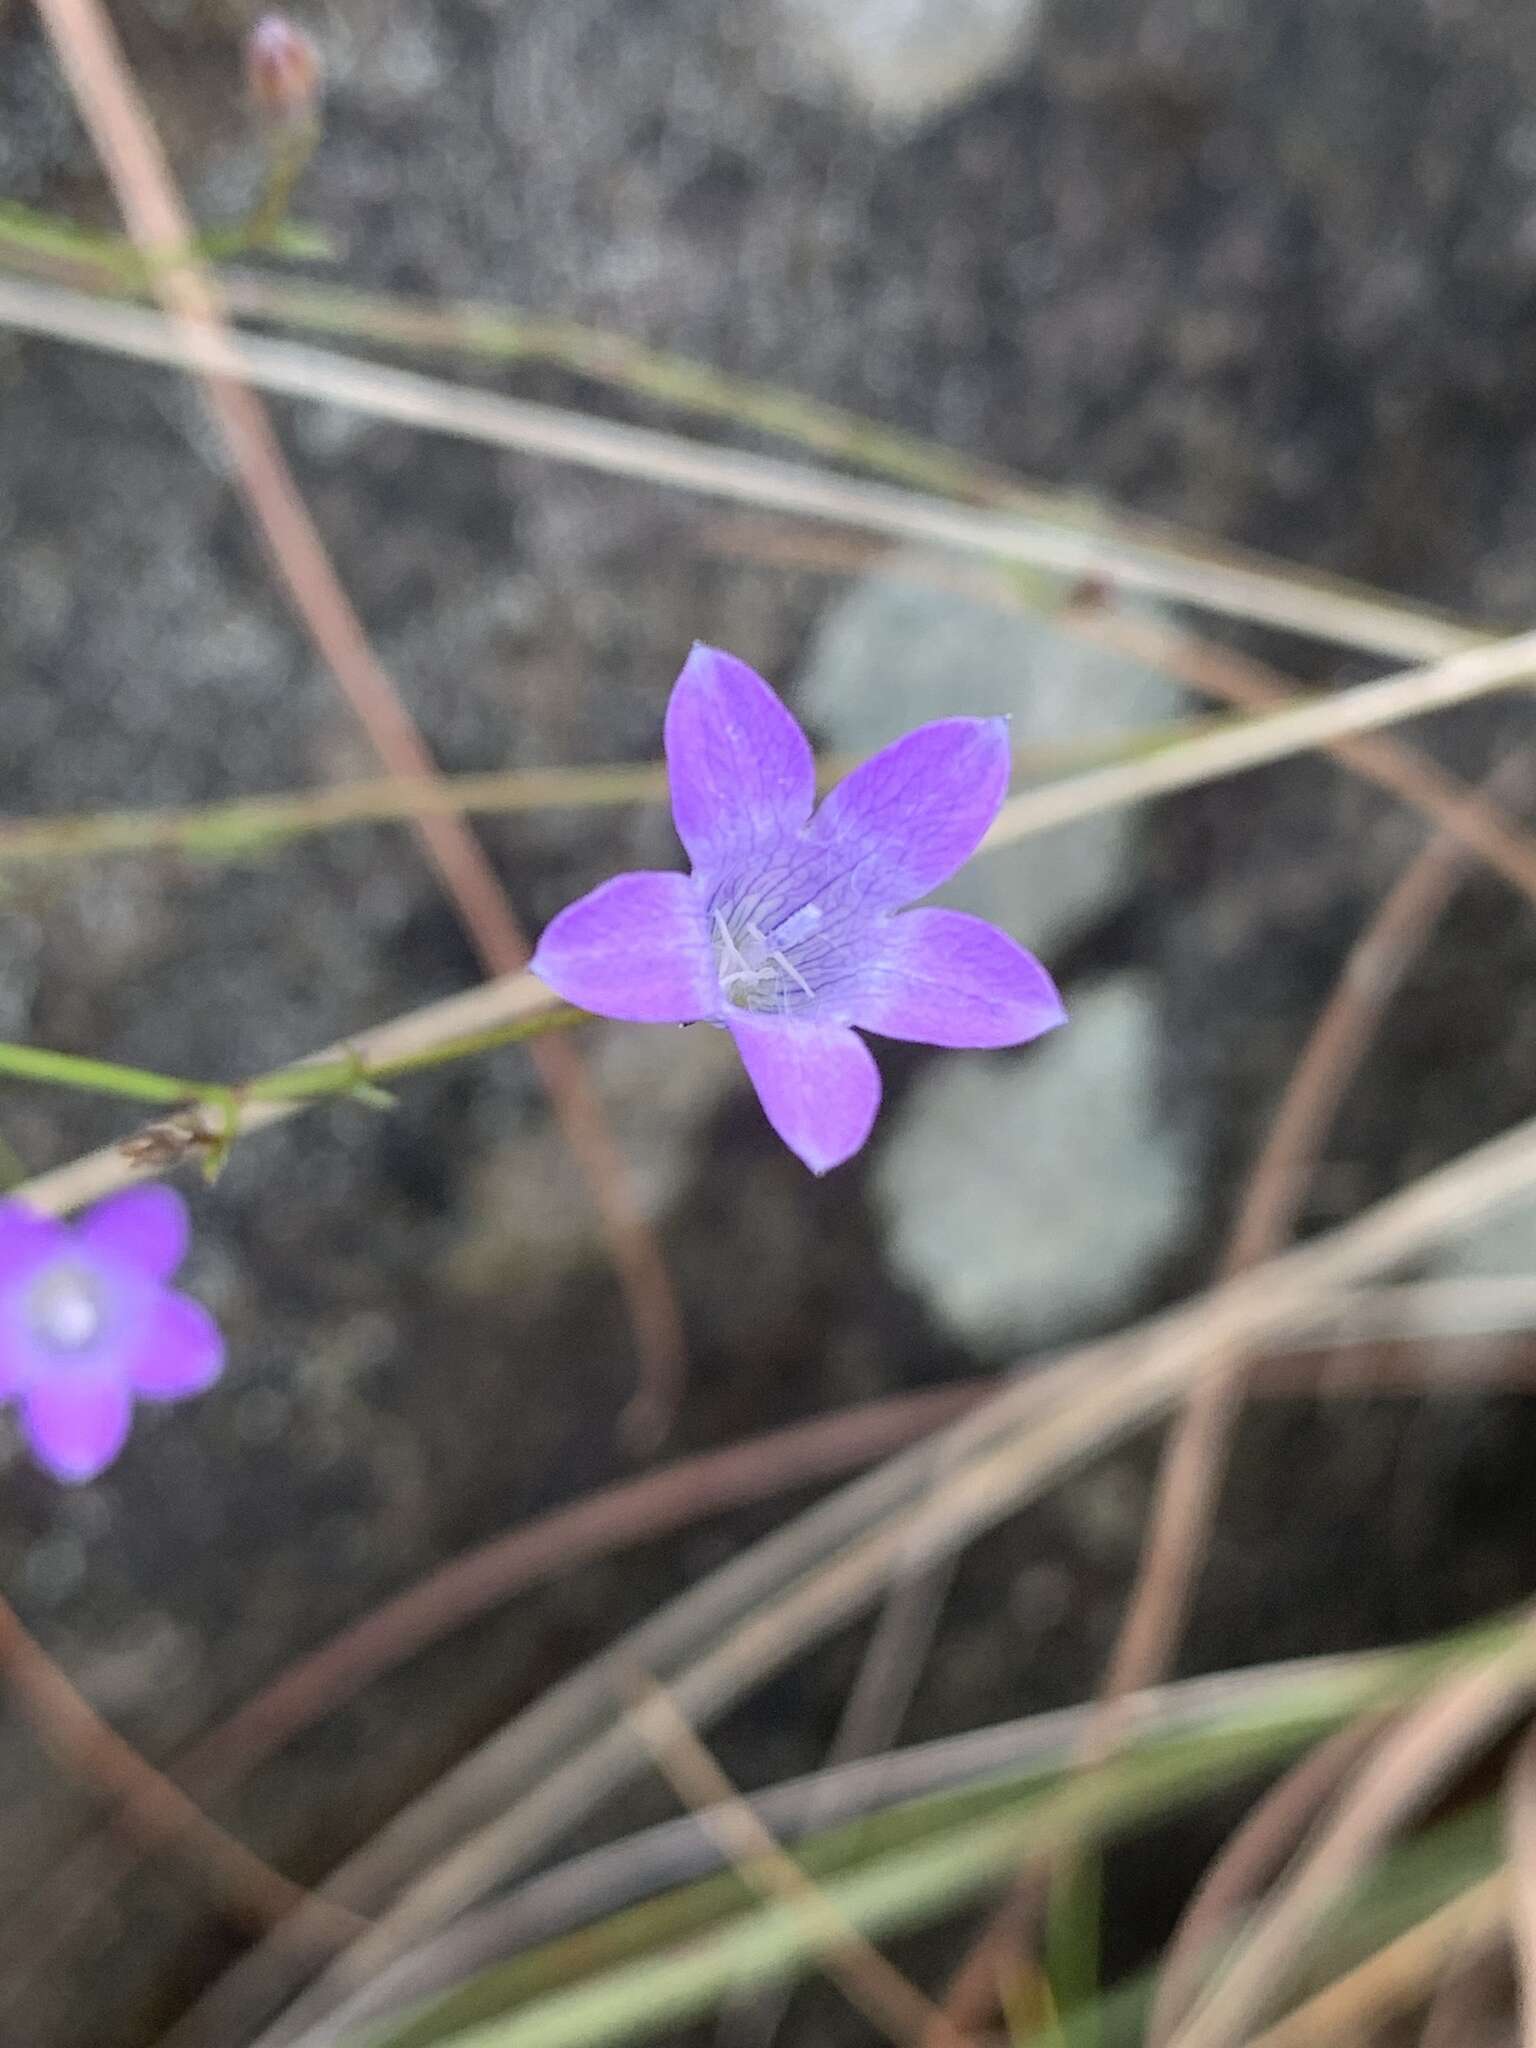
point(902, 63)
point(1028, 1198)
point(900, 649)
point(532, 1218)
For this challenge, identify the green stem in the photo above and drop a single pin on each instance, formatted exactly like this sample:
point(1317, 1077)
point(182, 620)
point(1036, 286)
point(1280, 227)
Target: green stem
point(263, 225)
point(305, 1082)
point(120, 268)
point(508, 334)
point(253, 824)
point(13, 1168)
point(1074, 1935)
point(30, 233)
point(517, 1032)
point(664, 1987)
point(311, 1080)
point(98, 1077)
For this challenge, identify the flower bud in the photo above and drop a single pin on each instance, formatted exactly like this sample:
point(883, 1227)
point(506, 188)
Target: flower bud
point(283, 69)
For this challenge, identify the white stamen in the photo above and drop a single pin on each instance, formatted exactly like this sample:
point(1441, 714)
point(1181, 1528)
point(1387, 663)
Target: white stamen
point(753, 973)
point(803, 921)
point(732, 965)
point(66, 1309)
point(783, 962)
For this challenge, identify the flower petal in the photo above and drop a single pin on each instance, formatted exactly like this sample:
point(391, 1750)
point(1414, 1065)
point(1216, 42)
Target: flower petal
point(69, 1312)
point(27, 1241)
point(179, 1352)
point(941, 977)
point(145, 1227)
point(904, 821)
point(635, 948)
point(818, 1084)
point(76, 1423)
point(741, 770)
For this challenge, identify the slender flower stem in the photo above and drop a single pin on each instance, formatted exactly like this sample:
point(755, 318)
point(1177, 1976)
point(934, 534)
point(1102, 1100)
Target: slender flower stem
point(254, 825)
point(1246, 584)
point(158, 222)
point(352, 1076)
point(263, 226)
point(1182, 573)
point(97, 1077)
point(157, 1810)
point(495, 1013)
point(516, 1032)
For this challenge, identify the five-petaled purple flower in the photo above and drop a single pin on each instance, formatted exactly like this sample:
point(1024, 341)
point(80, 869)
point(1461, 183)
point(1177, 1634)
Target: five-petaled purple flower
point(88, 1324)
point(785, 932)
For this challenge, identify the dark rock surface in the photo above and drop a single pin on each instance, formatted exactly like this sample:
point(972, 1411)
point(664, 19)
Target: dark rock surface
point(1263, 268)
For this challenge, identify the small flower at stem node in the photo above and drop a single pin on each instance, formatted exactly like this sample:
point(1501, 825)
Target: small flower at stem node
point(90, 1325)
point(284, 71)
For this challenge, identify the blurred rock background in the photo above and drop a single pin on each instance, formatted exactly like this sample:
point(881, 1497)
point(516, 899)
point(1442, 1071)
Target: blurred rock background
point(1262, 268)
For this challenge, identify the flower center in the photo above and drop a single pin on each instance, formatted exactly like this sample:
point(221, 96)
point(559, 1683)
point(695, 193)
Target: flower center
point(756, 968)
point(66, 1308)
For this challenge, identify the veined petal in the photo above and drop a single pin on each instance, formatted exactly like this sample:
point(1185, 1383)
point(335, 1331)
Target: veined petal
point(741, 770)
point(145, 1227)
point(76, 1423)
point(818, 1084)
point(915, 812)
point(940, 977)
point(636, 948)
point(179, 1351)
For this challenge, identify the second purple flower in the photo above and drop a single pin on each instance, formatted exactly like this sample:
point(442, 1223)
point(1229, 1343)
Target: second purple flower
point(89, 1325)
point(786, 931)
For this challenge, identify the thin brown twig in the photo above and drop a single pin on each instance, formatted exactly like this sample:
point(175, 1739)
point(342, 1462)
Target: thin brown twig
point(159, 1813)
point(1472, 2002)
point(1520, 1828)
point(503, 334)
point(1397, 1977)
point(1237, 748)
point(581, 1889)
point(1478, 665)
point(1470, 822)
point(653, 1505)
point(1249, 1859)
point(634, 1511)
point(876, 1705)
point(657, 1503)
point(544, 1771)
point(253, 825)
point(1200, 664)
point(1184, 572)
point(162, 230)
point(871, 1984)
point(1002, 1949)
point(1473, 818)
point(1421, 1754)
point(1194, 1457)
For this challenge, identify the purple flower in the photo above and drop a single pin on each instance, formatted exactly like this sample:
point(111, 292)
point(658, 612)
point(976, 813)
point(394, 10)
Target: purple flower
point(785, 932)
point(88, 1324)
